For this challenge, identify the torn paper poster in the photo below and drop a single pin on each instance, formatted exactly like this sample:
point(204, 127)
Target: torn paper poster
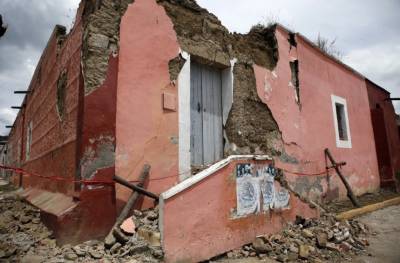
point(247, 190)
point(282, 197)
point(267, 190)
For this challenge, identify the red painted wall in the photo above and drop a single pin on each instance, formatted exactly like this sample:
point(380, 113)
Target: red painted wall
point(53, 149)
point(309, 129)
point(144, 130)
point(377, 97)
point(198, 223)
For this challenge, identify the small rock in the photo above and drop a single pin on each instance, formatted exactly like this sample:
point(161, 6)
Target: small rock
point(7, 252)
point(115, 248)
point(307, 233)
point(304, 251)
point(152, 216)
point(346, 247)
point(79, 251)
point(293, 248)
point(128, 226)
point(260, 246)
point(36, 220)
point(153, 237)
point(292, 256)
point(25, 219)
point(70, 256)
point(95, 254)
point(120, 237)
point(137, 213)
point(157, 252)
point(32, 259)
point(332, 247)
point(322, 239)
point(139, 248)
point(109, 241)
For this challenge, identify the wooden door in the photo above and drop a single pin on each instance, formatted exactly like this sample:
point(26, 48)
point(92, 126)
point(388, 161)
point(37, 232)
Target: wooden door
point(206, 115)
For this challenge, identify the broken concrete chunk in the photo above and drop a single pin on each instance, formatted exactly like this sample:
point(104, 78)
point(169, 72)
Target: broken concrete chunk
point(304, 251)
point(260, 246)
point(151, 236)
point(307, 233)
point(109, 241)
point(128, 226)
point(322, 239)
point(96, 254)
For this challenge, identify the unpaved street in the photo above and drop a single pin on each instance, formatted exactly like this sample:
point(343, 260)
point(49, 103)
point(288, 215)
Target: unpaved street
point(385, 245)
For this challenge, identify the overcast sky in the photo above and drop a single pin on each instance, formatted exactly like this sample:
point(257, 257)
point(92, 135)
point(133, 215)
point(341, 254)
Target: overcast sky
point(367, 32)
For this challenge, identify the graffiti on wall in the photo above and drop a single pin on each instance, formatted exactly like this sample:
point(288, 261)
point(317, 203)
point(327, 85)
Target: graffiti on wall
point(256, 189)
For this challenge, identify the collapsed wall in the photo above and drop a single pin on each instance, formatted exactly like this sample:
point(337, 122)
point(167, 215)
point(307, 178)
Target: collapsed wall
point(251, 127)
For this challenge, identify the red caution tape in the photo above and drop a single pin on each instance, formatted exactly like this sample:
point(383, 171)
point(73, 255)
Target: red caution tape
point(54, 178)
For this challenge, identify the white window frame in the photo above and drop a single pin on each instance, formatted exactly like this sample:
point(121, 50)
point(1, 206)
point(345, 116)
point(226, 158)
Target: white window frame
point(341, 143)
point(28, 140)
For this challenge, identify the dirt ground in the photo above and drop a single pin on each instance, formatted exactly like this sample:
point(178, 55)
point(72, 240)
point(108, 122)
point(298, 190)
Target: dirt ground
point(366, 199)
point(385, 240)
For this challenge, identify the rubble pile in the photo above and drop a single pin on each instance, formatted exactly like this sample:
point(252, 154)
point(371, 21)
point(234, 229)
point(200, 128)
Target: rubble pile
point(310, 240)
point(23, 238)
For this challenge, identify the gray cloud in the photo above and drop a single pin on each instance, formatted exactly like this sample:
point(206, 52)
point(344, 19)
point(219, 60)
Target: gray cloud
point(30, 24)
point(366, 31)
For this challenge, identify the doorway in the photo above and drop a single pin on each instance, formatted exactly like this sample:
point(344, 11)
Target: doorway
point(206, 125)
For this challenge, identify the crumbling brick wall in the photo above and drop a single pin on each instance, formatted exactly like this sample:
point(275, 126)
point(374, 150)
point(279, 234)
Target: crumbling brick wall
point(251, 127)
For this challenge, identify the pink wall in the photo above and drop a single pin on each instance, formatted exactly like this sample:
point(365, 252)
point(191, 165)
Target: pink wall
point(145, 132)
point(198, 224)
point(308, 131)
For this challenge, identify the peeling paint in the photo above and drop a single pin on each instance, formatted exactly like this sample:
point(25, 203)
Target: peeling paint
point(99, 155)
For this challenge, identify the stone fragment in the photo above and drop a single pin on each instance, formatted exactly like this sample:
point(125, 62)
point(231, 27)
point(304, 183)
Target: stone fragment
point(151, 236)
point(322, 239)
point(25, 219)
point(152, 216)
point(292, 256)
point(109, 241)
point(70, 256)
point(96, 254)
point(304, 251)
point(79, 251)
point(115, 248)
point(260, 246)
point(307, 233)
point(137, 213)
point(332, 247)
point(120, 237)
point(128, 226)
point(32, 259)
point(138, 248)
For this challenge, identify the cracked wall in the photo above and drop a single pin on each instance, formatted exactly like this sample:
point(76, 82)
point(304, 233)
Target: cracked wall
point(251, 127)
point(101, 21)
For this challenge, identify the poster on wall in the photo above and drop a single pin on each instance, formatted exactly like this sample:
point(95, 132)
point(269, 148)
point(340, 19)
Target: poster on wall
point(282, 196)
point(247, 190)
point(267, 189)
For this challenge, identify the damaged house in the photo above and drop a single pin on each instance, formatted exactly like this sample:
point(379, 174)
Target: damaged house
point(234, 127)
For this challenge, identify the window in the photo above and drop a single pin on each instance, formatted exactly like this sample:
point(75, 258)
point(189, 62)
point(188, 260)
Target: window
point(341, 122)
point(28, 141)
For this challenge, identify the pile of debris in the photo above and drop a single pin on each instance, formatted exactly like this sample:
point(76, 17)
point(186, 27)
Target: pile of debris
point(310, 240)
point(23, 238)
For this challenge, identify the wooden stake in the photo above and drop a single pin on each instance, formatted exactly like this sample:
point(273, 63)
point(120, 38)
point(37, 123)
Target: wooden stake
point(350, 193)
point(131, 201)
